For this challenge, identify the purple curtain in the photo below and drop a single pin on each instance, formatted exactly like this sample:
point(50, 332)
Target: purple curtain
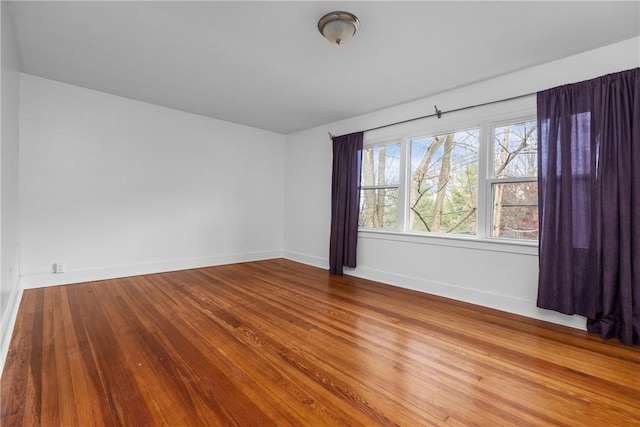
point(345, 201)
point(589, 200)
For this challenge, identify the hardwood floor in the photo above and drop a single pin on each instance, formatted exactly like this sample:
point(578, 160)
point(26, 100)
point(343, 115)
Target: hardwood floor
point(281, 343)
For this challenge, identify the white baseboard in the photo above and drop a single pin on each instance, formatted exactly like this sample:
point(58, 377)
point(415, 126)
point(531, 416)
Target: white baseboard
point(30, 281)
point(506, 303)
point(8, 323)
point(311, 260)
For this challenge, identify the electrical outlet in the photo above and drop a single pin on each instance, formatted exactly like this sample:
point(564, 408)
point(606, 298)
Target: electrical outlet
point(58, 267)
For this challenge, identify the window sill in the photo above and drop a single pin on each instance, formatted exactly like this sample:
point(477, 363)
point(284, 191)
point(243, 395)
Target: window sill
point(467, 242)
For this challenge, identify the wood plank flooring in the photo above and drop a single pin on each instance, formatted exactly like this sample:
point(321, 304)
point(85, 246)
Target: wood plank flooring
point(276, 343)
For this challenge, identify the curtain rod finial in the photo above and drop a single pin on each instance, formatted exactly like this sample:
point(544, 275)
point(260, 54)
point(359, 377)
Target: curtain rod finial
point(331, 136)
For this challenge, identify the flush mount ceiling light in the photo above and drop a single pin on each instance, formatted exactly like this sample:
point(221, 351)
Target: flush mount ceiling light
point(338, 27)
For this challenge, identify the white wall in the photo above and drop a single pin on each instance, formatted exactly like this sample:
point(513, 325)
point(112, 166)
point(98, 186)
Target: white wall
point(115, 187)
point(492, 275)
point(9, 95)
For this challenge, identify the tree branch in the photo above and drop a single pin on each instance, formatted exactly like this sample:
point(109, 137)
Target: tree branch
point(421, 219)
point(459, 223)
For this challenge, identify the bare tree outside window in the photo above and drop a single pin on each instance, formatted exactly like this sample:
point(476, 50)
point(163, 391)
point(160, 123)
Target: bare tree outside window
point(515, 187)
point(444, 183)
point(379, 186)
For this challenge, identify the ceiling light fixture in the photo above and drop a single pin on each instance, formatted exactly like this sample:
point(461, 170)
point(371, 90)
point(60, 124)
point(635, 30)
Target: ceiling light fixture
point(338, 27)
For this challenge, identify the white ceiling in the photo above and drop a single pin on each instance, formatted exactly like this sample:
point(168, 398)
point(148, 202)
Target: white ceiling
point(264, 64)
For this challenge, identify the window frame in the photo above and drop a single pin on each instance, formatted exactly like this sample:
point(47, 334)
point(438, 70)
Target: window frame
point(408, 176)
point(491, 180)
point(486, 118)
point(398, 187)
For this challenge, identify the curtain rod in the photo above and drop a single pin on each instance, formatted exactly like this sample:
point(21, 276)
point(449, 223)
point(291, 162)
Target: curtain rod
point(439, 113)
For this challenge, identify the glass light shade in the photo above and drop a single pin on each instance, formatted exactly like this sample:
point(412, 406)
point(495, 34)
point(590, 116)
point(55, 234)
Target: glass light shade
point(338, 27)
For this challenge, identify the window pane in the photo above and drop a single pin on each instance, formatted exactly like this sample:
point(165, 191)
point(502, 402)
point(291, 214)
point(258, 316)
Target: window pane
point(381, 165)
point(515, 210)
point(444, 183)
point(515, 150)
point(379, 208)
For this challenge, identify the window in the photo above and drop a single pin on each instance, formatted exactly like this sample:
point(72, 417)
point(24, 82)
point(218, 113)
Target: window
point(444, 182)
point(514, 185)
point(478, 181)
point(379, 185)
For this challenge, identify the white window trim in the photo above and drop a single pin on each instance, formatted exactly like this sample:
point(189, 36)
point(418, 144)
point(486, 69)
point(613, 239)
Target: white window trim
point(490, 180)
point(398, 187)
point(485, 118)
point(523, 247)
